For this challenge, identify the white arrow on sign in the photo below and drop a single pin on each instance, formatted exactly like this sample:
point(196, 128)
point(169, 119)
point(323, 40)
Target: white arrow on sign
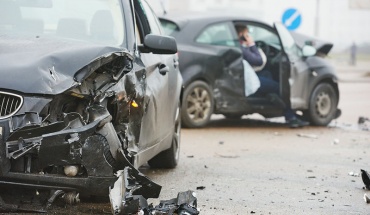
point(291, 19)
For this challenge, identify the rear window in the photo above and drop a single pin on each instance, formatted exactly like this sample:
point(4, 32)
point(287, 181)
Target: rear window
point(169, 27)
point(217, 34)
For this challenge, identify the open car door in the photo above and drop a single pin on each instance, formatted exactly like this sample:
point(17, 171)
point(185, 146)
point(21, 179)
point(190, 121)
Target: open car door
point(293, 70)
point(226, 63)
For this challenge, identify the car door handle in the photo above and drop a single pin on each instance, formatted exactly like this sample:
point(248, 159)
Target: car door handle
point(163, 69)
point(175, 64)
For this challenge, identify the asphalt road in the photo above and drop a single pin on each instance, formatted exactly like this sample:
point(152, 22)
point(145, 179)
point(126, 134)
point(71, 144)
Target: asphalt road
point(258, 166)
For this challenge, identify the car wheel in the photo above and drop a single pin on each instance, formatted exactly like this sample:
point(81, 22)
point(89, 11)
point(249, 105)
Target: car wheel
point(323, 105)
point(233, 116)
point(197, 105)
point(169, 158)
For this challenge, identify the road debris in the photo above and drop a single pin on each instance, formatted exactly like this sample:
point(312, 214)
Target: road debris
point(227, 156)
point(127, 197)
point(335, 141)
point(362, 120)
point(366, 198)
point(354, 174)
point(364, 123)
point(312, 136)
point(365, 178)
point(201, 188)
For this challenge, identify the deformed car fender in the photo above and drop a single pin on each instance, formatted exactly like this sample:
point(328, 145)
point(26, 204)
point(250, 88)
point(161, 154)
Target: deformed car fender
point(321, 71)
point(193, 73)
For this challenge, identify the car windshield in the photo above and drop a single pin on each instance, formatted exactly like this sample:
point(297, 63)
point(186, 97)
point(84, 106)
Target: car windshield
point(98, 21)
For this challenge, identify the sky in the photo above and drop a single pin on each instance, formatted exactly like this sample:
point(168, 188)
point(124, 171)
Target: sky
point(342, 22)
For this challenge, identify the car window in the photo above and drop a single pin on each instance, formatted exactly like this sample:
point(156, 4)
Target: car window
point(152, 19)
point(263, 34)
point(288, 41)
point(100, 22)
point(169, 27)
point(217, 34)
point(138, 34)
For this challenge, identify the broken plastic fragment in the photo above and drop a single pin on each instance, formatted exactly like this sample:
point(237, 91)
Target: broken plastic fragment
point(201, 188)
point(134, 104)
point(126, 198)
point(366, 198)
point(365, 178)
point(362, 120)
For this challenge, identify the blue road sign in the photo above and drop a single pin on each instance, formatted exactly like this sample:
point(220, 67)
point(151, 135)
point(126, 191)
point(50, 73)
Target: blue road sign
point(292, 19)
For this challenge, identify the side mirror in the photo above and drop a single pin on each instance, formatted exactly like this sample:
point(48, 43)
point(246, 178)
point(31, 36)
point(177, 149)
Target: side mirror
point(158, 44)
point(308, 50)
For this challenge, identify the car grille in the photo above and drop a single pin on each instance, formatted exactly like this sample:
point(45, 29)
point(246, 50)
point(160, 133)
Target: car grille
point(9, 104)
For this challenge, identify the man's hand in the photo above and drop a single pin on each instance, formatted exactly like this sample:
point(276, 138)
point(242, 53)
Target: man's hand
point(250, 41)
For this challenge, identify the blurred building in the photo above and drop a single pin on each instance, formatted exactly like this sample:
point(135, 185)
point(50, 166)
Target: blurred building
point(340, 21)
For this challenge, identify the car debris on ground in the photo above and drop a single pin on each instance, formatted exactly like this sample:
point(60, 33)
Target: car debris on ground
point(128, 196)
point(364, 123)
point(125, 201)
point(312, 136)
point(365, 178)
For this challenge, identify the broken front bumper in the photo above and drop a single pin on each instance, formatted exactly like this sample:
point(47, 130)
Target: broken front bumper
point(35, 156)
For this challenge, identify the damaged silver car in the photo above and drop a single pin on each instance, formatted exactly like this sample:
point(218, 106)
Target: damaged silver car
point(87, 88)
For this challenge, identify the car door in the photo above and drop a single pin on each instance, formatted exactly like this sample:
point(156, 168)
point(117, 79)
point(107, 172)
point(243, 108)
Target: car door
point(157, 120)
point(294, 71)
point(223, 63)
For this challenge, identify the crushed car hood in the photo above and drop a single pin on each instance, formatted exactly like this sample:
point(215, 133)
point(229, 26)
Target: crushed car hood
point(44, 65)
point(321, 46)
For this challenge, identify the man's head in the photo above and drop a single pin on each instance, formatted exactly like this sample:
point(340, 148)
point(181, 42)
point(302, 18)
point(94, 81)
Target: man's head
point(242, 30)
point(243, 34)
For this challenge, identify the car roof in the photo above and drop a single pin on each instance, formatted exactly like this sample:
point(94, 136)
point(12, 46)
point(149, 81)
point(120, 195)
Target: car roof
point(182, 18)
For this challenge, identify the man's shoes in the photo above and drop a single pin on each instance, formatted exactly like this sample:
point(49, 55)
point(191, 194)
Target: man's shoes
point(297, 123)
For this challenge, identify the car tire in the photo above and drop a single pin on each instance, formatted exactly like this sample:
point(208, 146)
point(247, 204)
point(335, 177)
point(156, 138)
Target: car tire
point(323, 105)
point(169, 158)
point(197, 105)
